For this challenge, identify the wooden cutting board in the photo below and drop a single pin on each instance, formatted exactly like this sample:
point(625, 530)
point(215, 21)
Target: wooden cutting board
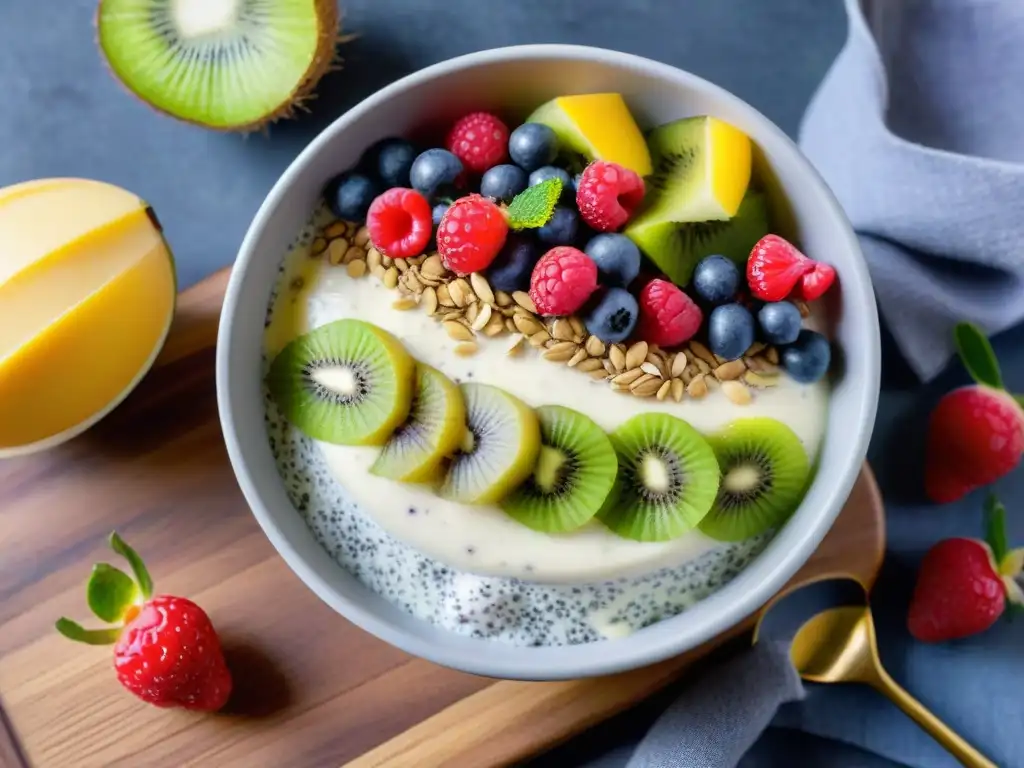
point(312, 689)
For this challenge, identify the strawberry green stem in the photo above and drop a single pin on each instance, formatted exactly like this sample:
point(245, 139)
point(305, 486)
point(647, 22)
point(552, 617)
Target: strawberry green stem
point(995, 528)
point(76, 632)
point(142, 577)
point(977, 355)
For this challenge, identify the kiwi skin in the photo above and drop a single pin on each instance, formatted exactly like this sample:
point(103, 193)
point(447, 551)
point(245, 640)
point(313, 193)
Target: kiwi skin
point(325, 58)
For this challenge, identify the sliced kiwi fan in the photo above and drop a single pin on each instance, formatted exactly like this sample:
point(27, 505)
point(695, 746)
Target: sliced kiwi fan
point(223, 64)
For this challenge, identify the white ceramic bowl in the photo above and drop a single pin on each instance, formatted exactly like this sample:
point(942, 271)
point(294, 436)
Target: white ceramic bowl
point(523, 77)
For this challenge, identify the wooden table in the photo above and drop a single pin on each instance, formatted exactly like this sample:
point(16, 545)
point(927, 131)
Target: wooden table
point(312, 689)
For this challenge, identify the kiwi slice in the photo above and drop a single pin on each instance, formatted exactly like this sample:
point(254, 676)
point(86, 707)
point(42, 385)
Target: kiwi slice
point(764, 474)
point(677, 248)
point(433, 430)
point(573, 475)
point(224, 64)
point(667, 479)
point(498, 450)
point(347, 382)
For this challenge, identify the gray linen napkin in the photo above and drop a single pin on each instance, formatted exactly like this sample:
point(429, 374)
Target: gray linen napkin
point(919, 130)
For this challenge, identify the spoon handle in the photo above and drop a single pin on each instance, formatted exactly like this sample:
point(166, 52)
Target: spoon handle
point(938, 730)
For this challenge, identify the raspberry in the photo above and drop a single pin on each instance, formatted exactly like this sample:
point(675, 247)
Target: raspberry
point(562, 281)
point(479, 140)
point(607, 194)
point(400, 223)
point(470, 234)
point(668, 316)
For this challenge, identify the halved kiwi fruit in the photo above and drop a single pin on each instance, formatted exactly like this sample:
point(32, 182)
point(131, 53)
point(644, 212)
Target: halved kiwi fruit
point(223, 64)
point(347, 382)
point(573, 475)
point(433, 430)
point(667, 479)
point(764, 475)
point(498, 451)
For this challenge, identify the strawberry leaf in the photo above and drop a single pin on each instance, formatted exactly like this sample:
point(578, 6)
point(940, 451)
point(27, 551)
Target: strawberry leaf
point(995, 528)
point(977, 356)
point(138, 567)
point(74, 631)
point(532, 207)
point(110, 592)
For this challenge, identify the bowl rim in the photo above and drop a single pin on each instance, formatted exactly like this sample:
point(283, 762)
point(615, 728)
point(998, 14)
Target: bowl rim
point(727, 606)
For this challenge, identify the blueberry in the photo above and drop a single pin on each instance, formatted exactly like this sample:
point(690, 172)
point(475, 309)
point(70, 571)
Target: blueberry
point(503, 182)
point(541, 175)
point(561, 227)
point(532, 145)
point(617, 259)
point(437, 212)
point(512, 267)
point(807, 359)
point(613, 317)
point(349, 196)
point(716, 279)
point(394, 159)
point(432, 170)
point(730, 330)
point(780, 322)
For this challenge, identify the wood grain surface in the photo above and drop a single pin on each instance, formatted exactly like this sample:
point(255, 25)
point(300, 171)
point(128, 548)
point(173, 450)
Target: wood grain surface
point(311, 689)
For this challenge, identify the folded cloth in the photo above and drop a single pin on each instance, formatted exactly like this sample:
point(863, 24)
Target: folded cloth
point(918, 128)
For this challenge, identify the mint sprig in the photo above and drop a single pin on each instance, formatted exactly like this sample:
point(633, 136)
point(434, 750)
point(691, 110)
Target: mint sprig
point(532, 208)
point(977, 355)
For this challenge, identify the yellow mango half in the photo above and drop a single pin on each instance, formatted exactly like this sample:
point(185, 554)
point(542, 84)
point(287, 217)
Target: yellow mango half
point(599, 126)
point(87, 293)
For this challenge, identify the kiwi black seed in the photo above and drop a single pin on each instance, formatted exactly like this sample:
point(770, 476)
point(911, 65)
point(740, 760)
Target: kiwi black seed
point(347, 382)
point(764, 469)
point(223, 64)
point(573, 475)
point(667, 479)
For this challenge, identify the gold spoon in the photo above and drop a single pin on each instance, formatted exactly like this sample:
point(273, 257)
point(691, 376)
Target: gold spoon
point(838, 646)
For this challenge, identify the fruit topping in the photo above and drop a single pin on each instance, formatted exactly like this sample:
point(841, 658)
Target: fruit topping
point(807, 359)
point(503, 182)
point(470, 235)
point(598, 126)
point(400, 223)
point(730, 331)
point(575, 470)
point(389, 160)
point(533, 145)
point(499, 448)
point(613, 316)
point(166, 650)
point(667, 479)
point(813, 285)
point(546, 172)
point(512, 268)
point(432, 431)
point(775, 267)
point(434, 173)
point(668, 317)
point(764, 471)
point(560, 228)
point(347, 382)
point(479, 140)
point(235, 66)
point(617, 259)
point(437, 213)
point(716, 279)
point(607, 194)
point(677, 248)
point(350, 195)
point(780, 322)
point(562, 281)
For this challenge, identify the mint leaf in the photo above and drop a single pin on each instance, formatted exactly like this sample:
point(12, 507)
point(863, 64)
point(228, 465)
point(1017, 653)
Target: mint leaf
point(138, 567)
point(110, 592)
point(977, 356)
point(995, 528)
point(75, 631)
point(532, 207)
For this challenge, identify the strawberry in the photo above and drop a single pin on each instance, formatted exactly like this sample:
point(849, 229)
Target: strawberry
point(976, 432)
point(166, 650)
point(963, 584)
point(777, 269)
